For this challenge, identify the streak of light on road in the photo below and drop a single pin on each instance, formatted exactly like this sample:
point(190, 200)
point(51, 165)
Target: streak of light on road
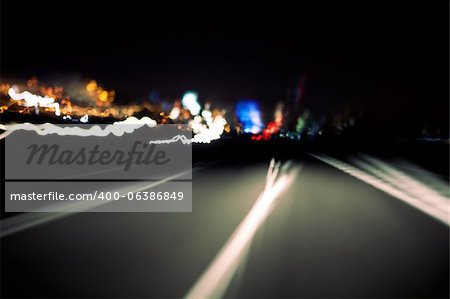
point(395, 183)
point(405, 182)
point(216, 278)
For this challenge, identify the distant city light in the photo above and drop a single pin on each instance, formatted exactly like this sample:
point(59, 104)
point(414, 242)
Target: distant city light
point(249, 115)
point(174, 113)
point(84, 118)
point(190, 102)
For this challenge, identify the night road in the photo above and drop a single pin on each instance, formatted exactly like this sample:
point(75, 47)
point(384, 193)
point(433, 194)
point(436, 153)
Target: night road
point(329, 235)
point(205, 150)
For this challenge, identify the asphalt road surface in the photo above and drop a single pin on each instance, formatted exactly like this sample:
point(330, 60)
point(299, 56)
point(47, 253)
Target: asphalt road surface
point(330, 236)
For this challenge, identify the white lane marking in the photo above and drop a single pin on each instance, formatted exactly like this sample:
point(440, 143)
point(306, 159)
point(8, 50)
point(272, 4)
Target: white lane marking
point(216, 278)
point(438, 210)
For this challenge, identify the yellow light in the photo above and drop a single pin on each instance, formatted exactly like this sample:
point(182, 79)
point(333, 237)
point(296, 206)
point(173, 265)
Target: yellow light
point(91, 86)
point(103, 96)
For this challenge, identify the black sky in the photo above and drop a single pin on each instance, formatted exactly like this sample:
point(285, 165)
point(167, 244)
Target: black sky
point(392, 56)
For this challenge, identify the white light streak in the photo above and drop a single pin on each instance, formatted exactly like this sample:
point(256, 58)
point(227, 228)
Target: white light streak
point(178, 138)
point(214, 281)
point(393, 183)
point(32, 100)
point(405, 182)
point(117, 128)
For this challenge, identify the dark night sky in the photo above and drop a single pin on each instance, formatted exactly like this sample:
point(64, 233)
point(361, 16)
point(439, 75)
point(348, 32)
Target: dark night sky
point(393, 57)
